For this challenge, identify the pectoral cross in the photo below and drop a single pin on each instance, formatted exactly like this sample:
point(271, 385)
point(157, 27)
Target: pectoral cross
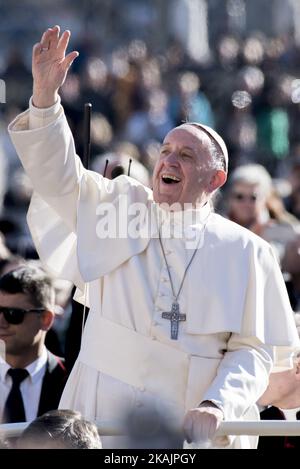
point(174, 316)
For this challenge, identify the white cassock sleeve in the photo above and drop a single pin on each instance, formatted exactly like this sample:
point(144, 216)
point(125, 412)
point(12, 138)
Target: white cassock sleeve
point(266, 342)
point(242, 377)
point(62, 216)
point(48, 156)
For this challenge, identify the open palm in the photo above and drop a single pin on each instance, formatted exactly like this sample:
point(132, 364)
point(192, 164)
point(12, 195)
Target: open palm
point(50, 63)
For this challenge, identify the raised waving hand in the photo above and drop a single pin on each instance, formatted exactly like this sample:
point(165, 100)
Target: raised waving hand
point(50, 66)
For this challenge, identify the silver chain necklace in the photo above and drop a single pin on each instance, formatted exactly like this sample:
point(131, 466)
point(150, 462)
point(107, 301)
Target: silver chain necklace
point(174, 315)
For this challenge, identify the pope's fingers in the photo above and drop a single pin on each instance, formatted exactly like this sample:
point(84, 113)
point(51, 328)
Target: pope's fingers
point(188, 427)
point(222, 441)
point(202, 423)
point(64, 41)
point(70, 59)
point(44, 35)
point(36, 50)
point(196, 430)
point(54, 37)
point(45, 40)
point(199, 430)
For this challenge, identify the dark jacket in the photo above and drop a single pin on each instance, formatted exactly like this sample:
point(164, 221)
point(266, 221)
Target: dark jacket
point(53, 384)
point(277, 442)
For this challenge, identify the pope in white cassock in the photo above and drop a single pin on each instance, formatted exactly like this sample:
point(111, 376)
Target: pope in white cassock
point(188, 311)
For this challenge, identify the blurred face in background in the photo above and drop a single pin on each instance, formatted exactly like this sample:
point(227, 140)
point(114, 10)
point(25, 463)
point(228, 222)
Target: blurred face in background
point(246, 204)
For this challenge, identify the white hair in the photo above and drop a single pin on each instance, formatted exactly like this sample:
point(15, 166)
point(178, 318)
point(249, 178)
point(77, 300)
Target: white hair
point(217, 157)
point(253, 174)
point(217, 147)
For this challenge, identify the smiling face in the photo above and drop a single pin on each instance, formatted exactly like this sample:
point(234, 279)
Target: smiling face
point(184, 172)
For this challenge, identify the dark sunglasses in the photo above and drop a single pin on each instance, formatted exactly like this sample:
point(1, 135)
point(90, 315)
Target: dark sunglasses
point(16, 315)
point(241, 197)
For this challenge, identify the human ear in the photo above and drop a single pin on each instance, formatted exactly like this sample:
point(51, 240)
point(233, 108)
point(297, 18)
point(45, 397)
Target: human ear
point(47, 319)
point(217, 180)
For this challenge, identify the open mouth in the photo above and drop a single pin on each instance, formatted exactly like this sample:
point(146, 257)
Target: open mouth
point(170, 179)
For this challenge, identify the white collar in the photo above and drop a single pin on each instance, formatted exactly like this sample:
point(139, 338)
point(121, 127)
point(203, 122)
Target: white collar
point(35, 369)
point(189, 217)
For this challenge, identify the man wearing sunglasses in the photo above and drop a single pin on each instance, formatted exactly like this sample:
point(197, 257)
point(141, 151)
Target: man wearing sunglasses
point(31, 378)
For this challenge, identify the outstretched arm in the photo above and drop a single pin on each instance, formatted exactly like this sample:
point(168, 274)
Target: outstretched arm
point(42, 136)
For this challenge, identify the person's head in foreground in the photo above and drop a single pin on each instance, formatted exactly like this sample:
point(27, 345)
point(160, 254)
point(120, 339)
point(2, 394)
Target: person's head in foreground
point(60, 429)
point(152, 427)
point(192, 165)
